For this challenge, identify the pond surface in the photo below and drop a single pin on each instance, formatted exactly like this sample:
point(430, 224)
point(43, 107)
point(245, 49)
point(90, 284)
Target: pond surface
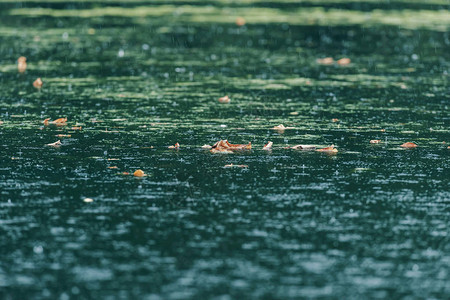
point(368, 222)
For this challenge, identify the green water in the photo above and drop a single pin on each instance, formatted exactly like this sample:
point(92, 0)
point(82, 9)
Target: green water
point(370, 222)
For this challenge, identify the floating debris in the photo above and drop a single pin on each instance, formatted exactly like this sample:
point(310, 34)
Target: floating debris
point(325, 61)
point(281, 128)
point(76, 128)
point(408, 145)
point(38, 83)
point(113, 167)
point(235, 166)
point(334, 120)
point(88, 200)
point(55, 144)
point(223, 146)
point(240, 21)
point(1, 122)
point(60, 121)
point(224, 99)
point(22, 64)
point(139, 173)
point(375, 141)
point(328, 149)
point(303, 147)
point(344, 61)
point(268, 146)
point(176, 146)
point(63, 135)
point(206, 146)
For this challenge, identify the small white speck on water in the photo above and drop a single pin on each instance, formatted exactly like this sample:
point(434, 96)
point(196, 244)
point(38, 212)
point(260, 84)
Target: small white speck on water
point(121, 53)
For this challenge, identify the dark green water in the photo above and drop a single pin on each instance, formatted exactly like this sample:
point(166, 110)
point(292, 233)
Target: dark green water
point(371, 222)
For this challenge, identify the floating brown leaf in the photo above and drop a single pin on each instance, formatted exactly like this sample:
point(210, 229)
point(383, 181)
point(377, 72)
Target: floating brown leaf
point(176, 146)
point(224, 145)
point(303, 147)
point(325, 61)
point(139, 173)
point(206, 147)
point(235, 166)
point(375, 141)
point(328, 149)
point(240, 21)
point(408, 145)
point(38, 83)
point(344, 61)
point(60, 121)
point(55, 144)
point(268, 146)
point(22, 64)
point(224, 99)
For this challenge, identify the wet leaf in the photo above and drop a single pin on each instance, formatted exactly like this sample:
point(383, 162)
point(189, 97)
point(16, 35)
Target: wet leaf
point(224, 146)
point(375, 141)
point(240, 21)
point(206, 147)
point(303, 147)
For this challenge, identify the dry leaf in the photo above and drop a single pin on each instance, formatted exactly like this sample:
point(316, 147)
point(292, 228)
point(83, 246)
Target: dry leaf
point(63, 135)
point(325, 61)
point(206, 147)
point(38, 83)
point(176, 146)
point(344, 61)
point(268, 146)
point(139, 173)
point(328, 149)
point(76, 128)
point(375, 141)
point(113, 167)
point(60, 121)
point(408, 145)
point(334, 120)
point(224, 99)
point(22, 64)
point(55, 144)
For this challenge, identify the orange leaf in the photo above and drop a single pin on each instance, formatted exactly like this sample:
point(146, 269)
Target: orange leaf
point(408, 145)
point(375, 141)
point(240, 21)
point(22, 64)
point(139, 173)
point(268, 146)
point(344, 61)
point(325, 61)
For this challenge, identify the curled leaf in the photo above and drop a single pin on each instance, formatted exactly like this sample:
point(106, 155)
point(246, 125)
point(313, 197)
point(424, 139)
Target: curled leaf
point(328, 149)
point(59, 122)
point(176, 146)
point(408, 145)
point(38, 83)
point(268, 146)
point(375, 141)
point(224, 99)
